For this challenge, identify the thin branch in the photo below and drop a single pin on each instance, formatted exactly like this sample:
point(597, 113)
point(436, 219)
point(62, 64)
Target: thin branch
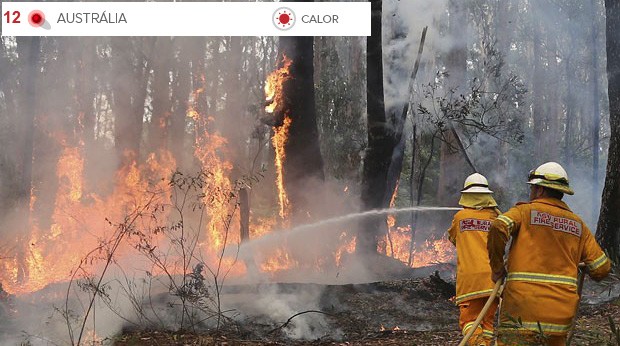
point(297, 314)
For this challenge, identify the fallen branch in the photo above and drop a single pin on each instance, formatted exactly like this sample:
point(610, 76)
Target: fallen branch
point(291, 318)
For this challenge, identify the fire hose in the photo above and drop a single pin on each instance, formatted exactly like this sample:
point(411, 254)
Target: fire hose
point(580, 276)
point(498, 286)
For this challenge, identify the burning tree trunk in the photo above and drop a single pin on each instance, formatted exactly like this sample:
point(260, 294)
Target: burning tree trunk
point(609, 221)
point(295, 119)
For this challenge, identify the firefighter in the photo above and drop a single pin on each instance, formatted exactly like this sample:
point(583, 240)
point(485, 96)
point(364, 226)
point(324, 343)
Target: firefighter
point(468, 232)
point(548, 243)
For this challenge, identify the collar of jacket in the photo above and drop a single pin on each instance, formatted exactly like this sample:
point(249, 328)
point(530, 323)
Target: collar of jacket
point(477, 200)
point(552, 201)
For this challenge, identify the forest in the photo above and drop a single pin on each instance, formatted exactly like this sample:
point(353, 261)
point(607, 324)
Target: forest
point(194, 183)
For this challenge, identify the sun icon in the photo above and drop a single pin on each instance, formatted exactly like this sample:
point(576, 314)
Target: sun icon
point(284, 18)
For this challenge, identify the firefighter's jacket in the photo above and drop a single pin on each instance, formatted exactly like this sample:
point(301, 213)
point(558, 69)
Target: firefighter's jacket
point(548, 243)
point(469, 232)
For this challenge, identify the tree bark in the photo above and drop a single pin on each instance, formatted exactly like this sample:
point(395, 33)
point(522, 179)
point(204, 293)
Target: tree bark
point(129, 86)
point(596, 99)
point(609, 220)
point(303, 162)
point(380, 142)
point(244, 215)
point(29, 51)
point(85, 96)
point(234, 107)
point(159, 126)
point(180, 103)
point(538, 89)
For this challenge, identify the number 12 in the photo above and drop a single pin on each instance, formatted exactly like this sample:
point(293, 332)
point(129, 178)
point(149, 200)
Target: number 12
point(16, 14)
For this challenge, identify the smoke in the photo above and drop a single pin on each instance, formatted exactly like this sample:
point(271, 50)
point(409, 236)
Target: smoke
point(295, 311)
point(402, 29)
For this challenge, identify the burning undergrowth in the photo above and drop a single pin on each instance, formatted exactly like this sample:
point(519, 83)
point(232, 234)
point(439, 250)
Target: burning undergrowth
point(162, 267)
point(150, 248)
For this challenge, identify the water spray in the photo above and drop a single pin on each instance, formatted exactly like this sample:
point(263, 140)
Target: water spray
point(277, 237)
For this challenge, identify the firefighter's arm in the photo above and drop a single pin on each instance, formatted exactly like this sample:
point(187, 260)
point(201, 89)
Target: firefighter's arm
point(595, 259)
point(453, 230)
point(501, 230)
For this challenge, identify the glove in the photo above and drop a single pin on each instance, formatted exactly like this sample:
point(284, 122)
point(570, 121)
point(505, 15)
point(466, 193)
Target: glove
point(498, 275)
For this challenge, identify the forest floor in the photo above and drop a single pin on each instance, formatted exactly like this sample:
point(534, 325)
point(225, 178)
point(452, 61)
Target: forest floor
point(400, 312)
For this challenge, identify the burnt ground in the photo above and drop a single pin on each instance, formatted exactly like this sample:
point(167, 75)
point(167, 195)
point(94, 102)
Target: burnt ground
point(367, 314)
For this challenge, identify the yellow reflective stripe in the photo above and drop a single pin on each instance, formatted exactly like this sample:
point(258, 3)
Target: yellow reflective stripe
point(537, 277)
point(597, 263)
point(473, 294)
point(466, 327)
point(533, 326)
point(508, 221)
point(547, 327)
point(487, 333)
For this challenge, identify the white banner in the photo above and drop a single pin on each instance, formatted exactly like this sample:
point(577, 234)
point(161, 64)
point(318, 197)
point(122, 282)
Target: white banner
point(185, 19)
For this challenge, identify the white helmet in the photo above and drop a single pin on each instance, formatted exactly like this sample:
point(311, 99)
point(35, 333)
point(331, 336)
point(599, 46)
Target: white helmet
point(476, 183)
point(550, 175)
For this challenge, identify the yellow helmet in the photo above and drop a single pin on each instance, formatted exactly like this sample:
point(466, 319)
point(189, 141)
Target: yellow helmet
point(550, 175)
point(476, 183)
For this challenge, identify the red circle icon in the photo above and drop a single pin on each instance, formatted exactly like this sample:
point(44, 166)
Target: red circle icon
point(284, 18)
point(36, 18)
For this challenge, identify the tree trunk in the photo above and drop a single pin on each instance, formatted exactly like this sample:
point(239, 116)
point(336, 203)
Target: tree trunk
point(538, 90)
point(180, 103)
point(159, 126)
point(456, 64)
point(129, 85)
point(244, 215)
point(609, 220)
point(570, 108)
point(552, 139)
point(234, 107)
point(596, 99)
point(29, 51)
point(380, 142)
point(303, 162)
point(85, 95)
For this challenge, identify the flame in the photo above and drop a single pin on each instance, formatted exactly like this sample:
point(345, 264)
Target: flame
point(274, 101)
point(53, 246)
point(274, 85)
point(279, 141)
point(33, 199)
point(398, 244)
point(77, 224)
point(208, 148)
point(280, 260)
point(434, 251)
point(192, 112)
point(348, 247)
